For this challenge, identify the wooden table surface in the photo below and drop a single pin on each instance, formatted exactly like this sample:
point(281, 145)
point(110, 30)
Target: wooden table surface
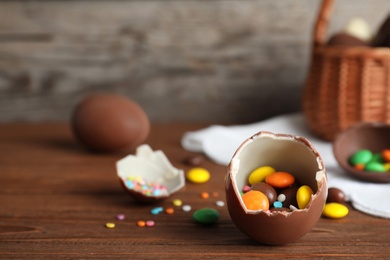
point(55, 199)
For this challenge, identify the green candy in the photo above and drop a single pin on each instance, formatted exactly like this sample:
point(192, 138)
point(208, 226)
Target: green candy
point(377, 157)
point(206, 216)
point(361, 157)
point(374, 167)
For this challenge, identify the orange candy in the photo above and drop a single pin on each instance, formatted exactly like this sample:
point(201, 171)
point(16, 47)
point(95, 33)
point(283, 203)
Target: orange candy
point(255, 200)
point(169, 211)
point(386, 155)
point(204, 195)
point(359, 166)
point(141, 223)
point(280, 179)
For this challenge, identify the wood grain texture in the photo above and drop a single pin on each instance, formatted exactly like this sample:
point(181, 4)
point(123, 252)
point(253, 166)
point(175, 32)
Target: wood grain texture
point(203, 61)
point(55, 199)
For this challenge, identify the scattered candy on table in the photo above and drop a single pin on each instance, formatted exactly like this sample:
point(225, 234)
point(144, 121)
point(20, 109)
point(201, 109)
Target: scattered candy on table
point(177, 202)
point(268, 190)
point(186, 208)
point(120, 217)
point(204, 195)
point(195, 160)
point(156, 210)
point(110, 225)
point(169, 211)
point(335, 210)
point(335, 195)
point(198, 175)
point(141, 223)
point(150, 223)
point(206, 216)
point(220, 203)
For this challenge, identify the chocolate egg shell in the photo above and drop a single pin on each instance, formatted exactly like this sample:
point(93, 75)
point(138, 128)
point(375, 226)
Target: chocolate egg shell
point(372, 136)
point(292, 154)
point(151, 166)
point(109, 123)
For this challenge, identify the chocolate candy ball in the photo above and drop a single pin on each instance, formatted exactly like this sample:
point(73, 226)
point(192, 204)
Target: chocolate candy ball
point(335, 195)
point(291, 198)
point(267, 189)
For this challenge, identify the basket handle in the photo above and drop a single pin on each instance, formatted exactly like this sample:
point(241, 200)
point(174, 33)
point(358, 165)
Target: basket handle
point(321, 25)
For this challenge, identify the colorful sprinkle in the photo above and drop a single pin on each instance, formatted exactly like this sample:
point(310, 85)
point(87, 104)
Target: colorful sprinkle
point(281, 197)
point(246, 188)
point(278, 204)
point(146, 188)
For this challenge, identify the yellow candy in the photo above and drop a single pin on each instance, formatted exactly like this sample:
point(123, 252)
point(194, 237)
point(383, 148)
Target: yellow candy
point(335, 210)
point(386, 166)
point(198, 175)
point(260, 174)
point(177, 202)
point(110, 225)
point(304, 196)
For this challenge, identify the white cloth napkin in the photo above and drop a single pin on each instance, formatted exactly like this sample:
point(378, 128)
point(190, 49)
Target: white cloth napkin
point(220, 142)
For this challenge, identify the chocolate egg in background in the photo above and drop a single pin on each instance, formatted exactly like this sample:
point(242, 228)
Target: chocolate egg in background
point(109, 123)
point(288, 153)
point(345, 39)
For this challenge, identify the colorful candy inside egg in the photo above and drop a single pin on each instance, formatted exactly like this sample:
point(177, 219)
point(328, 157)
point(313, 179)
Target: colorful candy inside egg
point(300, 165)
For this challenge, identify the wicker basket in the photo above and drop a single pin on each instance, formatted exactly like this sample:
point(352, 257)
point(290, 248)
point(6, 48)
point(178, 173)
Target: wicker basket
point(345, 85)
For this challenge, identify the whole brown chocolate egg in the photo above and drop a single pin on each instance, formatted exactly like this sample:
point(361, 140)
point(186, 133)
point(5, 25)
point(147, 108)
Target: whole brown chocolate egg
point(109, 123)
point(293, 154)
point(346, 40)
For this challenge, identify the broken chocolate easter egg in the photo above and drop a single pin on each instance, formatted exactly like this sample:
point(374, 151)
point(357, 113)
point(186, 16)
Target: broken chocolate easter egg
point(289, 153)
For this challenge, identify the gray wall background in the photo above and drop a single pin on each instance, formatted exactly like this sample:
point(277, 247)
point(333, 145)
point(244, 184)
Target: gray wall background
point(233, 61)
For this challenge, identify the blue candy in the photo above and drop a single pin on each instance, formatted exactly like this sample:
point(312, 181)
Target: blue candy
point(278, 204)
point(156, 210)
